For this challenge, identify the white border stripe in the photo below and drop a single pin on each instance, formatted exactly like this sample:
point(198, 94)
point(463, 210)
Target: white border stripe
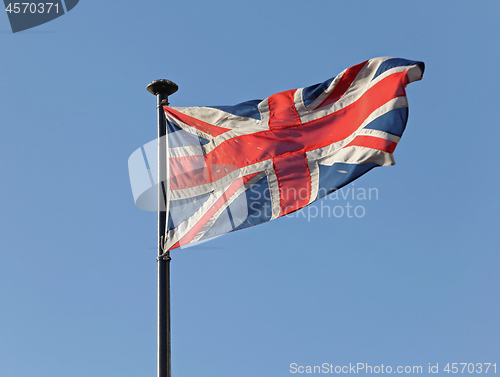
point(274, 192)
point(314, 169)
point(359, 155)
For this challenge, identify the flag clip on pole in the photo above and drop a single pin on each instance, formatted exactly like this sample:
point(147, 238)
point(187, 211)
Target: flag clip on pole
point(162, 89)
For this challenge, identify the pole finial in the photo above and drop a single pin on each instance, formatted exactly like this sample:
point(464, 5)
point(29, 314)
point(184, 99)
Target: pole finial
point(162, 86)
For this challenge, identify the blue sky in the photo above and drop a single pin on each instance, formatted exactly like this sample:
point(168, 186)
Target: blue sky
point(415, 281)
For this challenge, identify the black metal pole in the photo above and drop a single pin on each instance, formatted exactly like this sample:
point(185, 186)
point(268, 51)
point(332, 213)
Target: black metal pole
point(162, 89)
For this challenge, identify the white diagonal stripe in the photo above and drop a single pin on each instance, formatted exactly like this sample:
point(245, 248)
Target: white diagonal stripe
point(230, 200)
point(395, 103)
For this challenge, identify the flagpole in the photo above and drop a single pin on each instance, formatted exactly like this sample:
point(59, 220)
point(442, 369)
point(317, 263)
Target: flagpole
point(162, 89)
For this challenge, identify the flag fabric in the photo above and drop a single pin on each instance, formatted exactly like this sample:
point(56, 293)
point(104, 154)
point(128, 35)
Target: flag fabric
point(232, 167)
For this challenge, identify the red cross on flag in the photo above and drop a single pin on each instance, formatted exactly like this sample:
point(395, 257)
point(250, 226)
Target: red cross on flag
point(232, 167)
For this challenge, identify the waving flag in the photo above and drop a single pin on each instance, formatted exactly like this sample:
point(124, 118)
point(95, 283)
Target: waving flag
point(238, 166)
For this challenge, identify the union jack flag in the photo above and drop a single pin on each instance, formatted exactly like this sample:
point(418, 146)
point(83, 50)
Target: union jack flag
point(237, 166)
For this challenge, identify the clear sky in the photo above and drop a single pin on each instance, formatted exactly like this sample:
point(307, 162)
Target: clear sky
point(414, 281)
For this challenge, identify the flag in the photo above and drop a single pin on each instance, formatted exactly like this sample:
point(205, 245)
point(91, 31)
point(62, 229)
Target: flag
point(232, 167)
